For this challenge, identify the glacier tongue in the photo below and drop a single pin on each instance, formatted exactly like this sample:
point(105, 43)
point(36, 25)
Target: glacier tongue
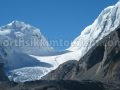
point(27, 74)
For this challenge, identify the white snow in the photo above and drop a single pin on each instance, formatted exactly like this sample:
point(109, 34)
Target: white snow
point(31, 63)
point(20, 31)
point(107, 21)
point(27, 74)
point(5, 32)
point(32, 70)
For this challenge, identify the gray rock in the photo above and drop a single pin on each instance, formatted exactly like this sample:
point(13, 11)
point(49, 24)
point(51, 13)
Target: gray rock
point(62, 72)
point(3, 77)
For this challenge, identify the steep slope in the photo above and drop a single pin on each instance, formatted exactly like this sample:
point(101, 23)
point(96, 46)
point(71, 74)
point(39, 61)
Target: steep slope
point(107, 21)
point(102, 60)
point(100, 63)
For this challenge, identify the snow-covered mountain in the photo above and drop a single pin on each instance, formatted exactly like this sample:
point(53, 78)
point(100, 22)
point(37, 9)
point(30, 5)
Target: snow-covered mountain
point(107, 21)
point(27, 63)
point(18, 41)
point(25, 38)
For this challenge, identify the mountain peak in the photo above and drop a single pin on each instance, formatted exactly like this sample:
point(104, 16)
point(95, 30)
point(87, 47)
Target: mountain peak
point(18, 24)
point(16, 21)
point(17, 29)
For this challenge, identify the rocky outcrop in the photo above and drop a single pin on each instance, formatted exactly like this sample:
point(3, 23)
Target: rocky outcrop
point(62, 72)
point(3, 77)
point(101, 62)
point(7, 85)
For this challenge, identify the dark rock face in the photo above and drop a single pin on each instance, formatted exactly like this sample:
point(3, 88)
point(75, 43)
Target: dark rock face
point(3, 77)
point(62, 72)
point(101, 62)
point(59, 85)
point(6, 85)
